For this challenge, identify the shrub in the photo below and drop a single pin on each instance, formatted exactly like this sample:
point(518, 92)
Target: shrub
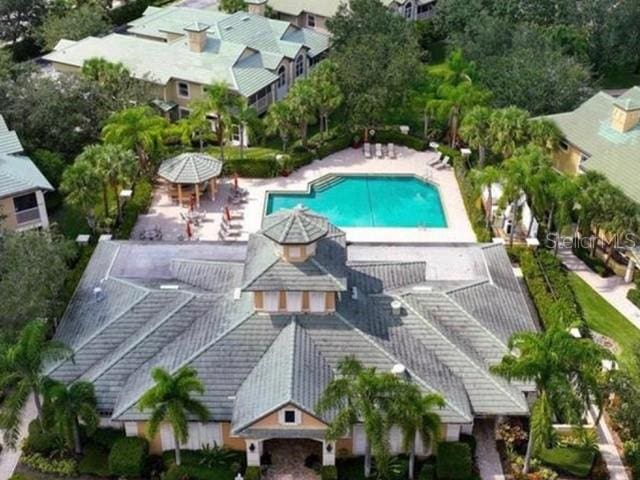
point(632, 457)
point(128, 457)
point(253, 168)
point(570, 460)
point(428, 472)
point(594, 263)
point(132, 10)
point(64, 467)
point(50, 164)
point(398, 138)
point(634, 296)
point(334, 145)
point(40, 442)
point(252, 473)
point(137, 204)
point(195, 472)
point(106, 437)
point(329, 472)
point(94, 461)
point(20, 476)
point(453, 461)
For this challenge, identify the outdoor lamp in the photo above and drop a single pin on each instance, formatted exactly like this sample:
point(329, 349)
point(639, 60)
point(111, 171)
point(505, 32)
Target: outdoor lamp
point(252, 447)
point(329, 448)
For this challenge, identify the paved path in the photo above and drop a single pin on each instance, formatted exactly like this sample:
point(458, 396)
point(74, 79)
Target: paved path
point(612, 289)
point(609, 451)
point(486, 453)
point(9, 458)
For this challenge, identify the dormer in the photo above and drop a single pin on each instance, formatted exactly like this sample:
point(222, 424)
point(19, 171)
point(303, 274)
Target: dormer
point(197, 37)
point(625, 115)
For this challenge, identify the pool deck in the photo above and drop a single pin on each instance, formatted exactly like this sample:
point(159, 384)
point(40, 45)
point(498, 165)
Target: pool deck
point(350, 161)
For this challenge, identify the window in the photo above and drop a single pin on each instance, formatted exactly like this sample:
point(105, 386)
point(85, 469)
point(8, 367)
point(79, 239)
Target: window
point(235, 134)
point(294, 301)
point(183, 112)
point(564, 145)
point(25, 202)
point(424, 9)
point(295, 252)
point(408, 11)
point(282, 77)
point(317, 301)
point(299, 65)
point(583, 157)
point(183, 89)
point(290, 416)
point(271, 301)
point(260, 95)
point(311, 20)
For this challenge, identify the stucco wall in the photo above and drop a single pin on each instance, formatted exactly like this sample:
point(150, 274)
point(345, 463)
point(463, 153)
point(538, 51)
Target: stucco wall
point(567, 161)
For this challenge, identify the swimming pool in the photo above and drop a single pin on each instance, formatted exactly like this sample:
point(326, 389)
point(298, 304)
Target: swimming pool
point(368, 201)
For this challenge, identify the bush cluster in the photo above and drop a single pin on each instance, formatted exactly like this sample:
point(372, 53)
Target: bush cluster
point(252, 473)
point(64, 467)
point(39, 442)
point(132, 10)
point(594, 263)
point(94, 461)
point(398, 138)
point(129, 457)
point(428, 472)
point(329, 472)
point(138, 204)
point(454, 461)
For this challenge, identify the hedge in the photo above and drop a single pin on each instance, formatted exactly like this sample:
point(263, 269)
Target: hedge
point(64, 467)
point(633, 296)
point(129, 457)
point(94, 461)
point(252, 473)
point(39, 442)
point(329, 472)
point(594, 263)
point(571, 460)
point(107, 437)
point(198, 472)
point(453, 461)
point(138, 203)
point(428, 472)
point(132, 10)
point(398, 138)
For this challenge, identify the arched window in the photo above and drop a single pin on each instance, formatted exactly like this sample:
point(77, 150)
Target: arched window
point(299, 65)
point(408, 11)
point(282, 77)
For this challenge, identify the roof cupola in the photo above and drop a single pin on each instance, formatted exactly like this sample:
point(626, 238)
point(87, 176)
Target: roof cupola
point(625, 115)
point(197, 36)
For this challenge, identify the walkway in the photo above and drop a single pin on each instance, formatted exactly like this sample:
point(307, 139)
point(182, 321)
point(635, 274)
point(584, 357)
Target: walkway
point(487, 455)
point(9, 458)
point(607, 447)
point(612, 289)
point(287, 459)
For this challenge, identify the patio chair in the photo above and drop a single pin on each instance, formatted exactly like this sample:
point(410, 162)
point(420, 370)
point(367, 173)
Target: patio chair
point(436, 160)
point(391, 148)
point(379, 150)
point(367, 150)
point(230, 225)
point(444, 164)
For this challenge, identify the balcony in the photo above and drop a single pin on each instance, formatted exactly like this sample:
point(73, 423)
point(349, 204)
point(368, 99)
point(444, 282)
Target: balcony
point(29, 215)
point(262, 104)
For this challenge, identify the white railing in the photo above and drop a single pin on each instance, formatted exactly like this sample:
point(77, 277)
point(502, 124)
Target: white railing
point(262, 104)
point(28, 216)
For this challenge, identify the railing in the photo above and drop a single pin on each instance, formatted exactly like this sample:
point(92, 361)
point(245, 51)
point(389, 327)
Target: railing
point(262, 104)
point(28, 216)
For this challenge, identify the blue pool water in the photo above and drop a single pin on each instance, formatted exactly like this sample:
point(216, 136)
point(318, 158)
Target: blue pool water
point(369, 201)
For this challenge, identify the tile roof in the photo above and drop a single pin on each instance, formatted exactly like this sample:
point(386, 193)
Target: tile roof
point(612, 153)
point(252, 363)
point(325, 8)
point(190, 168)
point(295, 226)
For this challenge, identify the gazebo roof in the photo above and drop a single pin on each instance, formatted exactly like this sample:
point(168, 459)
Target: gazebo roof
point(296, 226)
point(190, 168)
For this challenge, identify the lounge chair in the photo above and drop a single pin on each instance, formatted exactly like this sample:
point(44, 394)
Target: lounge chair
point(367, 150)
point(235, 215)
point(379, 150)
point(230, 225)
point(444, 164)
point(391, 148)
point(228, 234)
point(435, 161)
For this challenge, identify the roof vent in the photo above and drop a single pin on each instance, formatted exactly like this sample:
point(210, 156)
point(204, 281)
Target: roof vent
point(246, 18)
point(99, 294)
point(169, 287)
point(228, 27)
point(396, 307)
point(398, 369)
point(236, 293)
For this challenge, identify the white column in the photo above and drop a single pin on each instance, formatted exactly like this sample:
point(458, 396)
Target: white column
point(628, 276)
point(131, 429)
point(42, 209)
point(254, 452)
point(328, 453)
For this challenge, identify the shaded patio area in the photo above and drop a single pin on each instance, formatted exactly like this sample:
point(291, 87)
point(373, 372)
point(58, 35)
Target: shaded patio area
point(288, 459)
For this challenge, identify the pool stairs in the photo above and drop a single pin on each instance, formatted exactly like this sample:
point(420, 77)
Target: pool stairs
point(327, 182)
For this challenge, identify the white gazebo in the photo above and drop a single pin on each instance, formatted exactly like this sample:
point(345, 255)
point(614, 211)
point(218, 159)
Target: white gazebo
point(190, 174)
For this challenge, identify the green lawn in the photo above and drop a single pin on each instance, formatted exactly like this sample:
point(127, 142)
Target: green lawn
point(571, 460)
point(604, 319)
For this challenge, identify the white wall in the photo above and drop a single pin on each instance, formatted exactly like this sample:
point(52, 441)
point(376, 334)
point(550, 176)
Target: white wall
point(200, 434)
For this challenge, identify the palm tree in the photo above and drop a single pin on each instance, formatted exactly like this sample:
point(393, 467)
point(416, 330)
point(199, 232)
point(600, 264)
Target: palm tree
point(103, 72)
point(415, 415)
point(247, 118)
point(508, 129)
point(515, 175)
point(280, 121)
point(171, 400)
point(327, 96)
point(117, 166)
point(218, 99)
point(557, 364)
point(21, 366)
point(302, 106)
point(194, 126)
point(544, 134)
point(82, 185)
point(68, 407)
point(364, 396)
point(475, 131)
point(485, 178)
point(138, 129)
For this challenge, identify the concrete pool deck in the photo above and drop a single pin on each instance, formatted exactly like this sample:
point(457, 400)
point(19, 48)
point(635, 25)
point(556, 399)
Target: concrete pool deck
point(350, 161)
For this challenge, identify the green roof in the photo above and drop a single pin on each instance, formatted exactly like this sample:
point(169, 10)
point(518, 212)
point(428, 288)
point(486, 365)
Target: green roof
point(612, 153)
point(294, 227)
point(242, 50)
point(190, 168)
point(9, 141)
point(325, 8)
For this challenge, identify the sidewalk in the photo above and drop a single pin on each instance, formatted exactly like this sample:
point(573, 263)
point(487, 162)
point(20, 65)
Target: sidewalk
point(612, 289)
point(486, 452)
point(608, 449)
point(9, 458)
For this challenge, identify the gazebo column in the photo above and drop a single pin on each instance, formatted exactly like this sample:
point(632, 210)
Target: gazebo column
point(254, 452)
point(180, 194)
point(628, 276)
point(328, 453)
point(198, 195)
point(212, 189)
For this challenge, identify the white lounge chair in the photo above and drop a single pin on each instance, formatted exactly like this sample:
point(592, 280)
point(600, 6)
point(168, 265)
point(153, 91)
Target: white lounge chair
point(379, 150)
point(436, 160)
point(391, 148)
point(444, 164)
point(367, 150)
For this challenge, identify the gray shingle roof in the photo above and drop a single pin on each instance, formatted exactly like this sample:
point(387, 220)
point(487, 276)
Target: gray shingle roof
point(297, 226)
point(190, 168)
point(251, 363)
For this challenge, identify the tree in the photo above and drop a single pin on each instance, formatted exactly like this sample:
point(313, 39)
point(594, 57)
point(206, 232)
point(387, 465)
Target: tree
point(415, 415)
point(87, 20)
point(377, 57)
point(366, 396)
point(217, 100)
point(248, 121)
point(544, 134)
point(508, 130)
point(117, 167)
point(302, 107)
point(558, 365)
point(18, 18)
point(280, 121)
point(485, 178)
point(171, 400)
point(68, 406)
point(232, 6)
point(475, 131)
point(139, 129)
point(327, 96)
point(21, 366)
point(32, 275)
point(82, 185)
